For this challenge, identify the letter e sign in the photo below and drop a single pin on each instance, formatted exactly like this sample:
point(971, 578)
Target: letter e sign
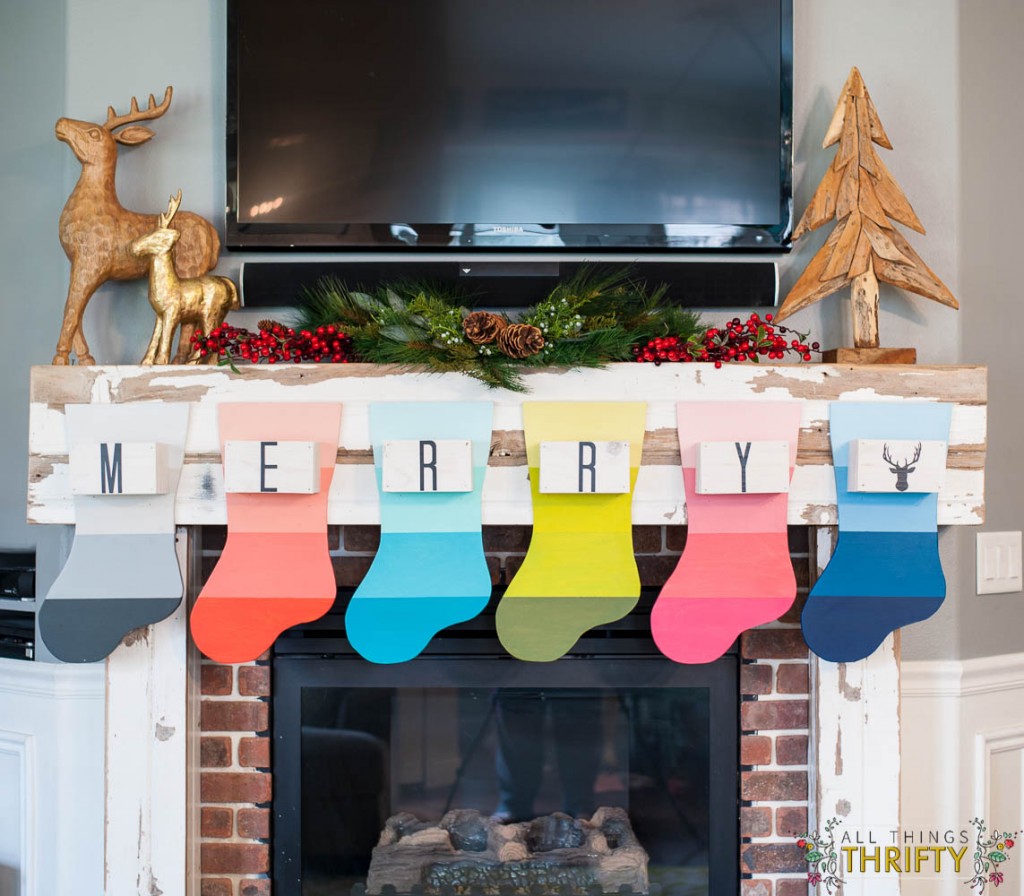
point(118, 468)
point(575, 468)
point(271, 467)
point(427, 465)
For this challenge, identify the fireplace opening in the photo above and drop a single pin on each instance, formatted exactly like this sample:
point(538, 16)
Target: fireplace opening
point(465, 750)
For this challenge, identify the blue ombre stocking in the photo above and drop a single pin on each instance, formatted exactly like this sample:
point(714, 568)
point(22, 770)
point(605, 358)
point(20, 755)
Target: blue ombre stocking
point(885, 572)
point(430, 571)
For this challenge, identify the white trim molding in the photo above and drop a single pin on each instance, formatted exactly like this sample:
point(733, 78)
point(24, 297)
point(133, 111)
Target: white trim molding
point(51, 720)
point(22, 749)
point(965, 719)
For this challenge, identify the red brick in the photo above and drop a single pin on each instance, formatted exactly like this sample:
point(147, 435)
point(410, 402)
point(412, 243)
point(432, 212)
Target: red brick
point(755, 679)
point(215, 681)
point(765, 715)
point(800, 539)
point(646, 539)
point(675, 538)
point(350, 571)
point(655, 569)
point(254, 752)
point(254, 888)
point(362, 538)
point(792, 678)
point(512, 565)
point(254, 681)
point(207, 567)
point(755, 750)
point(215, 752)
point(234, 858)
point(215, 886)
point(506, 539)
point(792, 615)
point(791, 886)
point(791, 749)
point(791, 821)
point(214, 537)
point(215, 822)
point(774, 644)
point(235, 787)
point(755, 821)
point(755, 888)
point(771, 858)
point(802, 571)
point(772, 786)
point(231, 715)
point(494, 568)
point(254, 823)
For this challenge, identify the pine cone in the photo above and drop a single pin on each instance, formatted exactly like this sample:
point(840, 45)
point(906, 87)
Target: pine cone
point(483, 327)
point(268, 324)
point(520, 340)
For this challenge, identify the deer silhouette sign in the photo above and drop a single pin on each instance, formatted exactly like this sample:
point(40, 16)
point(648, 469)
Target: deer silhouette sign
point(901, 470)
point(96, 232)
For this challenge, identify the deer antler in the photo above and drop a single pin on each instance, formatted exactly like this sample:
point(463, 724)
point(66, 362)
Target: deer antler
point(917, 455)
point(886, 456)
point(150, 112)
point(164, 220)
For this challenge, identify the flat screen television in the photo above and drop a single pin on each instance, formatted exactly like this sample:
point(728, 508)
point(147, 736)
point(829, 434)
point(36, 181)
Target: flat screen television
point(618, 125)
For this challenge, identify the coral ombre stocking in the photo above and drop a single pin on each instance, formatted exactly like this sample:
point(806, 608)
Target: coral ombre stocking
point(275, 570)
point(735, 572)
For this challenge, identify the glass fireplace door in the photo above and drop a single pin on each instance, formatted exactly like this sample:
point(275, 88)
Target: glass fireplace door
point(460, 754)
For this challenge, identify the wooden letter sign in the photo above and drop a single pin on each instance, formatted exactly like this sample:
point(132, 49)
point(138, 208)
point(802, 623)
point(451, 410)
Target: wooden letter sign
point(896, 465)
point(118, 468)
point(428, 465)
point(744, 467)
point(574, 468)
point(271, 466)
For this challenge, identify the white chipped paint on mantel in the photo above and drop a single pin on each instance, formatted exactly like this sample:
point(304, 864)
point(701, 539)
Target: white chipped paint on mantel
point(854, 748)
point(658, 498)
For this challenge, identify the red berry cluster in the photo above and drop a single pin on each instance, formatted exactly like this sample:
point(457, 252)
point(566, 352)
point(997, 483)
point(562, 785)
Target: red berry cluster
point(275, 342)
point(737, 341)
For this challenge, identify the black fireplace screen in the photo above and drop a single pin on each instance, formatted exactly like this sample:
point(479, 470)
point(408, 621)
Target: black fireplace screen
point(356, 744)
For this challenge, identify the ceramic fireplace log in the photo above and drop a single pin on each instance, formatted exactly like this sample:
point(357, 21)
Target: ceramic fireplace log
point(468, 850)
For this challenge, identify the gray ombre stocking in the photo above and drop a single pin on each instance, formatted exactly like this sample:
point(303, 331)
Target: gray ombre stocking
point(122, 572)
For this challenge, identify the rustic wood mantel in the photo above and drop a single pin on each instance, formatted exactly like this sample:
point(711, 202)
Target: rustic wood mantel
point(855, 757)
point(658, 500)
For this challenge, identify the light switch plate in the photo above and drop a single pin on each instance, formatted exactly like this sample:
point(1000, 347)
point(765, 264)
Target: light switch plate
point(999, 562)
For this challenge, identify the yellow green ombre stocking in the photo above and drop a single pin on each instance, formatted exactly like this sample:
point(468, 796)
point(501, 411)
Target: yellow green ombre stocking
point(580, 571)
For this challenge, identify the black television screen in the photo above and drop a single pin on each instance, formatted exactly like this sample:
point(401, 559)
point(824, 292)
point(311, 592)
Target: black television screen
point(490, 124)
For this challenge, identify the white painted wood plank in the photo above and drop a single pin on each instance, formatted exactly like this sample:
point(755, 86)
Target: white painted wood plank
point(855, 748)
point(658, 498)
point(145, 763)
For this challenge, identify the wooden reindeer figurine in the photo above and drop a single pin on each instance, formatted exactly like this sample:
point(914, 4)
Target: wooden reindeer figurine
point(96, 231)
point(199, 301)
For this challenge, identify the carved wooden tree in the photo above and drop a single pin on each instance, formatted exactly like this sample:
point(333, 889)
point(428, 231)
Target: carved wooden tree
point(865, 247)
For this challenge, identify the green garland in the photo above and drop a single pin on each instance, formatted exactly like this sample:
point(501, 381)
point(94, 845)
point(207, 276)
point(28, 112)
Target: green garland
point(589, 320)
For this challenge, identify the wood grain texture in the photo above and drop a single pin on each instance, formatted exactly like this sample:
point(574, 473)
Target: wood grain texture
point(864, 200)
point(658, 499)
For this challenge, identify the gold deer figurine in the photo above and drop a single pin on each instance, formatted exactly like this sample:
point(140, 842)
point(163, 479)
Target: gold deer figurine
point(96, 231)
point(199, 301)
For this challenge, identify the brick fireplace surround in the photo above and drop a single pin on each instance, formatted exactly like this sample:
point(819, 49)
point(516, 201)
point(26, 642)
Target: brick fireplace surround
point(236, 785)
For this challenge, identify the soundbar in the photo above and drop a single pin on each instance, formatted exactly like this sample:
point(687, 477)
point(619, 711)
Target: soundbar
point(515, 284)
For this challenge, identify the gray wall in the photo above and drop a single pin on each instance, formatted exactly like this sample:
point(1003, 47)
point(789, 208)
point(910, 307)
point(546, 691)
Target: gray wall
point(95, 54)
point(991, 205)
